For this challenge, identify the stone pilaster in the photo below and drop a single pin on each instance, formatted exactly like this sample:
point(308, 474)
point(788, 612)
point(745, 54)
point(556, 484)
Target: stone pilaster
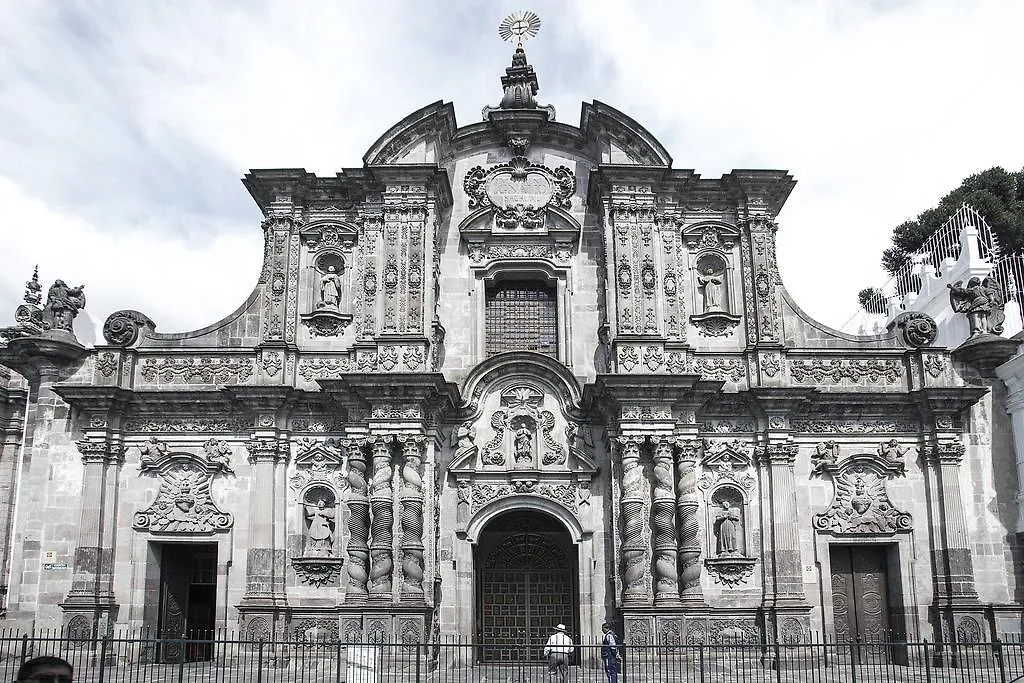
point(12, 429)
point(382, 522)
point(279, 279)
point(265, 558)
point(411, 497)
point(1012, 374)
point(954, 566)
point(687, 502)
point(358, 523)
point(92, 584)
point(631, 210)
point(778, 459)
point(663, 526)
point(633, 550)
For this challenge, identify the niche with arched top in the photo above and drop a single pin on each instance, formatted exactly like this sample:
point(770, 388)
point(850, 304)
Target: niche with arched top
point(319, 513)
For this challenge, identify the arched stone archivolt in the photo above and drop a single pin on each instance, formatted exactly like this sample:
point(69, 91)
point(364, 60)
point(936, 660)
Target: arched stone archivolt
point(513, 502)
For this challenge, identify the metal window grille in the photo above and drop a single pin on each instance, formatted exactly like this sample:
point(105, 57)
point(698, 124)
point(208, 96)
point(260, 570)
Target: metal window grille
point(521, 316)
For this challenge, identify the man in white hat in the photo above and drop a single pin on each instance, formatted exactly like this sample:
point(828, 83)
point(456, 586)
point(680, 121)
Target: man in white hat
point(557, 650)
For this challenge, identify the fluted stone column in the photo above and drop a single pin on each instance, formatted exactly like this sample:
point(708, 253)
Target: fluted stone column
point(382, 522)
point(951, 555)
point(358, 523)
point(633, 548)
point(265, 560)
point(780, 458)
point(663, 526)
point(687, 502)
point(92, 584)
point(411, 497)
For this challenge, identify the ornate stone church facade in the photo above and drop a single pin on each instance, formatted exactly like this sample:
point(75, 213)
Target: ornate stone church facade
point(498, 377)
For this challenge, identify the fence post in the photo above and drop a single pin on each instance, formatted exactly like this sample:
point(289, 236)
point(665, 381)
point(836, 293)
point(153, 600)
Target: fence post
point(337, 666)
point(419, 670)
point(103, 657)
point(853, 661)
point(259, 664)
point(24, 648)
point(700, 655)
point(181, 660)
point(927, 663)
point(997, 651)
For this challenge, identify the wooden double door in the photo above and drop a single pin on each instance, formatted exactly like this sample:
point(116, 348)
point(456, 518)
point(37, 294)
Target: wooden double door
point(860, 597)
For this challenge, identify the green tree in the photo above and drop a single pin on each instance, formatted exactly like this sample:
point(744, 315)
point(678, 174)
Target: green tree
point(996, 194)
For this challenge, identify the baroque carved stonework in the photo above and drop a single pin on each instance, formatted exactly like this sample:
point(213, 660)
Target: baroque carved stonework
point(520, 192)
point(566, 494)
point(197, 370)
point(870, 371)
point(860, 502)
point(183, 503)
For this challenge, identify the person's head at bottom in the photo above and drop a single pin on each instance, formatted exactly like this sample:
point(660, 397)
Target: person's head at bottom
point(45, 670)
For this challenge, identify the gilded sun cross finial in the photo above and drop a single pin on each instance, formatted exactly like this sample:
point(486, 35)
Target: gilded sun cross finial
point(519, 26)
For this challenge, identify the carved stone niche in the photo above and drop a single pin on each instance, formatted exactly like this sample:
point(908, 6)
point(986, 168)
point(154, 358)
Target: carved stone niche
point(512, 446)
point(713, 300)
point(317, 483)
point(727, 482)
point(860, 503)
point(330, 247)
point(183, 504)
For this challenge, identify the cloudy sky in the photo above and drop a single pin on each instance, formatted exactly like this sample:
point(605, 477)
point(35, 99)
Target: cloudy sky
point(125, 126)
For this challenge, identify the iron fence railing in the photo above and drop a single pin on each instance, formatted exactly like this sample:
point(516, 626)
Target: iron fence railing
point(227, 658)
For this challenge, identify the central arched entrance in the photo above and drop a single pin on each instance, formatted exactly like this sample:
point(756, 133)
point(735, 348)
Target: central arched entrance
point(527, 580)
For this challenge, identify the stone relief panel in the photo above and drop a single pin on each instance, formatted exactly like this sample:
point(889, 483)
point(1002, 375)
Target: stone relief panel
point(523, 432)
point(520, 192)
point(183, 503)
point(860, 502)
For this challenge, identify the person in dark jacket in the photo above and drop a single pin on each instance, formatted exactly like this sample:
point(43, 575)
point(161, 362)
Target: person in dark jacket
point(611, 653)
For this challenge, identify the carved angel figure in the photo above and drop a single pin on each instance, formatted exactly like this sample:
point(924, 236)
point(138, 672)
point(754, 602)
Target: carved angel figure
point(62, 305)
point(825, 455)
point(320, 533)
point(151, 452)
point(892, 452)
point(982, 301)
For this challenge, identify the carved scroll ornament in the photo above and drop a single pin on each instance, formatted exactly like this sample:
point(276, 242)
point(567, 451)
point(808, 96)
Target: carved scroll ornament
point(183, 502)
point(520, 192)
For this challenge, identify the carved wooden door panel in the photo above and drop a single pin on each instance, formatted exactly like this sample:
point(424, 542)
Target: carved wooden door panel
point(859, 599)
point(174, 584)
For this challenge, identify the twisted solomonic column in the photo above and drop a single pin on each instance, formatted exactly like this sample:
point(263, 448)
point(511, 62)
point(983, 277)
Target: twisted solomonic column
point(383, 518)
point(411, 496)
point(631, 505)
point(663, 526)
point(689, 526)
point(358, 522)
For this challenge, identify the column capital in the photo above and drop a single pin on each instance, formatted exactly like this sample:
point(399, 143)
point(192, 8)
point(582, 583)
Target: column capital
point(102, 452)
point(776, 453)
point(267, 449)
point(946, 453)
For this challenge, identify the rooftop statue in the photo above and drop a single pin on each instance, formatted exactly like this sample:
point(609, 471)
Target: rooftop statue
point(982, 301)
point(62, 305)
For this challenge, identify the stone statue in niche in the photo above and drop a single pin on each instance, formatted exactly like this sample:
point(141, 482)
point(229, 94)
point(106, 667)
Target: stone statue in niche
point(330, 288)
point(320, 516)
point(710, 282)
point(522, 443)
point(62, 305)
point(982, 301)
point(728, 529)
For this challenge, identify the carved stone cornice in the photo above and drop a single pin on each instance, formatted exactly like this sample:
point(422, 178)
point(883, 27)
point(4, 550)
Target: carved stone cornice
point(614, 394)
point(429, 393)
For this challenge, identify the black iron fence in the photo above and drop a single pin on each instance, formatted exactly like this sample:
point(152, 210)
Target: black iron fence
point(227, 658)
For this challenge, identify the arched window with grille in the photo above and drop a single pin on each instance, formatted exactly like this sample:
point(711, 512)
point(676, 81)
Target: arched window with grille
point(521, 315)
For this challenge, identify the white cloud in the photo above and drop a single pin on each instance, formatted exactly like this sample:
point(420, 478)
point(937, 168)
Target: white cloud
point(124, 128)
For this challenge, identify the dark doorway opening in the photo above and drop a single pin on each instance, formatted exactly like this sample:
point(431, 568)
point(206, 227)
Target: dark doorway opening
point(527, 581)
point(188, 601)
